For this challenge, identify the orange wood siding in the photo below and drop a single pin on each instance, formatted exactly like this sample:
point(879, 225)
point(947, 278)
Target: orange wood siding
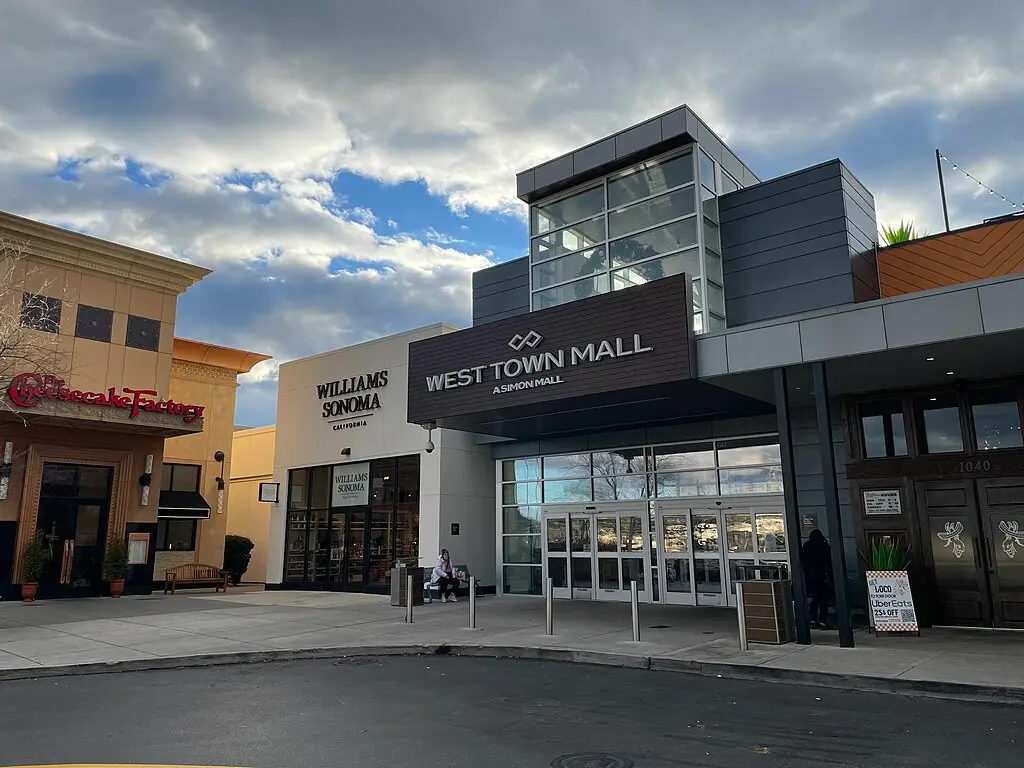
point(977, 253)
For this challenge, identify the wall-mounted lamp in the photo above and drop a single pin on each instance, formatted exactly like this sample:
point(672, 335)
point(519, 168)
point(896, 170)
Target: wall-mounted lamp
point(219, 456)
point(146, 479)
point(5, 469)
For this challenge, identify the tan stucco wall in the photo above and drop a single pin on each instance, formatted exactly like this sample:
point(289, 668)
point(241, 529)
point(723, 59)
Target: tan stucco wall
point(252, 464)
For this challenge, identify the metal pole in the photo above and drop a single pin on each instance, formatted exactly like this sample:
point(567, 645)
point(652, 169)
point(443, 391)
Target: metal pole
point(408, 600)
point(741, 614)
point(635, 599)
point(549, 628)
point(942, 188)
point(472, 602)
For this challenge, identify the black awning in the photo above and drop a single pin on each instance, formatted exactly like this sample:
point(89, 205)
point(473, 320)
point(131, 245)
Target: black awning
point(184, 504)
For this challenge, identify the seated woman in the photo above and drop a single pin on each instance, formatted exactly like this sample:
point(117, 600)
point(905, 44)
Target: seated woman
point(444, 577)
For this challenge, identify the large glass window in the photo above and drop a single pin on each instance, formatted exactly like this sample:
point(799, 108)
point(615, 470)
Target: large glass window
point(586, 234)
point(653, 212)
point(563, 294)
point(650, 178)
point(883, 432)
point(176, 535)
point(996, 418)
point(180, 477)
point(938, 424)
point(655, 242)
point(570, 267)
point(646, 271)
point(548, 216)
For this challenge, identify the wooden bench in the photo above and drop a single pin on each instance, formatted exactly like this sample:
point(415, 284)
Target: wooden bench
point(195, 573)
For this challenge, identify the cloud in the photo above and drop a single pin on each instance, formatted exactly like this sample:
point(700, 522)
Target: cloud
point(216, 130)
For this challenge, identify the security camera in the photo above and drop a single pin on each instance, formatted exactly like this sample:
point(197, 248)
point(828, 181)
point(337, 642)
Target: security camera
point(430, 446)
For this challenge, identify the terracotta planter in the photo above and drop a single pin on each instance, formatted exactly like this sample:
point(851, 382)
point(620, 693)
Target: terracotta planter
point(117, 588)
point(28, 592)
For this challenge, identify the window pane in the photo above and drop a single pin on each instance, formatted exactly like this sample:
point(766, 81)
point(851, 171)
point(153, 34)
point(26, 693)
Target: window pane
point(646, 245)
point(521, 549)
point(556, 535)
point(179, 535)
point(409, 480)
point(676, 533)
point(520, 469)
point(705, 533)
point(586, 234)
point(698, 322)
point(712, 237)
point(771, 532)
point(996, 419)
point(716, 297)
point(699, 483)
point(94, 323)
point(522, 579)
point(745, 451)
point(520, 493)
point(556, 491)
point(298, 498)
point(651, 212)
point(563, 294)
point(570, 267)
point(646, 271)
point(716, 323)
point(40, 312)
point(568, 465)
point(521, 519)
point(686, 456)
point(548, 216)
point(729, 184)
point(407, 536)
point(739, 533)
point(631, 534)
point(621, 462)
point(875, 420)
point(580, 529)
point(143, 333)
point(610, 488)
point(709, 203)
point(874, 436)
point(713, 266)
point(751, 480)
point(165, 477)
point(707, 171)
point(184, 477)
point(320, 492)
point(650, 179)
point(939, 425)
point(607, 535)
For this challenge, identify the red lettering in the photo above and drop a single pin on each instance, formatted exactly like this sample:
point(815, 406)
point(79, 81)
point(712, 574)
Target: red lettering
point(76, 396)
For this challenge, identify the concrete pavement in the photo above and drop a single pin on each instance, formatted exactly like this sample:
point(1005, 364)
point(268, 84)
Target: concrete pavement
point(77, 636)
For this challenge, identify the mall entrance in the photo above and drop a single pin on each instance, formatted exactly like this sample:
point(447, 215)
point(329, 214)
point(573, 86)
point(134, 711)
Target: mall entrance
point(74, 504)
point(678, 551)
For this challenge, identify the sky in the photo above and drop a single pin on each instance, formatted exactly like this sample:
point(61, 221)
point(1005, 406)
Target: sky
point(344, 166)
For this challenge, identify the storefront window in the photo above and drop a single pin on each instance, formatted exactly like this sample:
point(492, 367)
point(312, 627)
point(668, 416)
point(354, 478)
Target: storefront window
point(938, 424)
point(617, 487)
point(520, 469)
point(521, 519)
point(558, 491)
point(688, 456)
point(697, 483)
point(298, 483)
point(748, 451)
point(176, 535)
point(882, 429)
point(996, 417)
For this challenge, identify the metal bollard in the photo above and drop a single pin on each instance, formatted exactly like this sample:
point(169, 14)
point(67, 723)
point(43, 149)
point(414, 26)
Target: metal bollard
point(741, 615)
point(634, 596)
point(472, 602)
point(408, 600)
point(549, 628)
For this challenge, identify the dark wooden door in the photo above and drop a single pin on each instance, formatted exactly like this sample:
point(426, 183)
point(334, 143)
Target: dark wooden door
point(1002, 520)
point(954, 553)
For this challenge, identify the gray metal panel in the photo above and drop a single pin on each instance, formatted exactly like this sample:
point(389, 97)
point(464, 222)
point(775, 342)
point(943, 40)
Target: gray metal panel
point(732, 165)
point(484, 319)
point(791, 181)
point(502, 302)
point(707, 139)
point(638, 138)
point(806, 297)
point(524, 183)
point(553, 172)
point(512, 284)
point(787, 273)
point(501, 291)
point(788, 245)
point(499, 273)
point(674, 123)
point(595, 155)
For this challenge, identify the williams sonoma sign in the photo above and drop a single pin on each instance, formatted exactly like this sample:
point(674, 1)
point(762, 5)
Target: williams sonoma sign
point(514, 373)
point(346, 402)
point(28, 390)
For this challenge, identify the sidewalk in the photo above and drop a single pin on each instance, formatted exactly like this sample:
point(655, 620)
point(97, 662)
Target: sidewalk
point(81, 636)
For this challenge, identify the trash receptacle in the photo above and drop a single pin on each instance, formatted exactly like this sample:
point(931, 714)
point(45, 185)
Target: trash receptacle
point(399, 584)
point(767, 610)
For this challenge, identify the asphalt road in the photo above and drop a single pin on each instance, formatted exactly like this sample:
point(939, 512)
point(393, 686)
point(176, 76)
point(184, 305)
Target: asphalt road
point(431, 712)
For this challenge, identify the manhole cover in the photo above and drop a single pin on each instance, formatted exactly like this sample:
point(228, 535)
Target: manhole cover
point(659, 626)
point(355, 661)
point(591, 760)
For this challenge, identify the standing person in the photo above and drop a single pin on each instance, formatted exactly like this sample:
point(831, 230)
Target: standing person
point(816, 557)
point(444, 577)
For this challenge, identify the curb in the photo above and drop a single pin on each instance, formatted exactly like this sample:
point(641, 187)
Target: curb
point(861, 683)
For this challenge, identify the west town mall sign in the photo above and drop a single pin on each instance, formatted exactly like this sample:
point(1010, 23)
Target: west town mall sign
point(563, 357)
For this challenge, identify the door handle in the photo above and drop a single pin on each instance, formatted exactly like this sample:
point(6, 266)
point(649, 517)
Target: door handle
point(991, 555)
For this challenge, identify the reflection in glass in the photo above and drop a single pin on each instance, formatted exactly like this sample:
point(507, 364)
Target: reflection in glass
point(705, 533)
point(94, 482)
point(650, 179)
point(708, 574)
point(716, 297)
point(520, 493)
point(563, 294)
point(654, 242)
point(558, 572)
point(582, 578)
point(620, 487)
point(557, 491)
point(520, 519)
point(633, 570)
point(548, 216)
point(996, 419)
point(607, 536)
point(676, 533)
point(580, 528)
point(707, 171)
point(608, 573)
point(520, 469)
point(298, 482)
point(568, 465)
point(883, 429)
point(652, 212)
point(380, 546)
point(631, 538)
point(729, 184)
point(640, 274)
point(295, 560)
point(556, 534)
point(741, 570)
point(521, 549)
point(771, 532)
point(749, 451)
point(939, 424)
point(578, 237)
point(336, 558)
point(356, 546)
point(679, 484)
point(320, 544)
point(320, 488)
point(621, 462)
point(709, 203)
point(569, 267)
point(736, 482)
point(739, 532)
point(522, 580)
point(712, 236)
point(677, 574)
point(668, 458)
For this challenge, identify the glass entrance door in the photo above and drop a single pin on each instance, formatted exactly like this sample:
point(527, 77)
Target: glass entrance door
point(596, 553)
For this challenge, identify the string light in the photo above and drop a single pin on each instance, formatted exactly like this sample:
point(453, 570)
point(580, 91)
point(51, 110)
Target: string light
point(984, 186)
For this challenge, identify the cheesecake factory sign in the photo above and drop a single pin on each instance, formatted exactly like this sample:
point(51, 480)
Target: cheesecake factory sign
point(563, 356)
point(347, 403)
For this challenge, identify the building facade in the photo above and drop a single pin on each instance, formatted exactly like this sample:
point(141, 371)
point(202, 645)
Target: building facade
point(252, 464)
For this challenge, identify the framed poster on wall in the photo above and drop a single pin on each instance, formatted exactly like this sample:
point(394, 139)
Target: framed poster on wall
point(882, 503)
point(270, 493)
point(138, 548)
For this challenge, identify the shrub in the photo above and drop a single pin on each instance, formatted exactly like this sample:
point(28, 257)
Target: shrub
point(237, 553)
point(33, 560)
point(115, 561)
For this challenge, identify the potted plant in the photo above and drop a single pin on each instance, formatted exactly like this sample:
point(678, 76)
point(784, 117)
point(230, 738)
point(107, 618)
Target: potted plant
point(237, 554)
point(115, 566)
point(33, 563)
